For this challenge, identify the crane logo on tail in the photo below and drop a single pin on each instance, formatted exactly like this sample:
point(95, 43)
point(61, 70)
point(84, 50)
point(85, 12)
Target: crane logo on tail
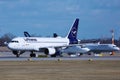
point(74, 32)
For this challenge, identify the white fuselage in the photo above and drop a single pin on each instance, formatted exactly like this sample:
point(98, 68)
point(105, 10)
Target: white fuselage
point(34, 43)
point(76, 49)
point(102, 47)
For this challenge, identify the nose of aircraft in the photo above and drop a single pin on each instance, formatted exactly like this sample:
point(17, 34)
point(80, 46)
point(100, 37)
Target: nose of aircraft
point(117, 49)
point(9, 46)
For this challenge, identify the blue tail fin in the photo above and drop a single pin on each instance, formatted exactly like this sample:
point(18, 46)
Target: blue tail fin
point(72, 35)
point(26, 34)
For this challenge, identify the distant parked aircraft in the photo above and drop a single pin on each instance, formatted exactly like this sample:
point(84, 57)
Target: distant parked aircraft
point(98, 48)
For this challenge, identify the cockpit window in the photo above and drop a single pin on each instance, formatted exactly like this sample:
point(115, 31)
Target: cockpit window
point(114, 46)
point(14, 41)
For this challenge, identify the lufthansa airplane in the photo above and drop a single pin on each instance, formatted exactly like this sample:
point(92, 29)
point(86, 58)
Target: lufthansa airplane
point(98, 48)
point(92, 47)
point(50, 46)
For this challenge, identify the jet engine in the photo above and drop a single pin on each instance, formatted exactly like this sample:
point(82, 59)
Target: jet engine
point(50, 51)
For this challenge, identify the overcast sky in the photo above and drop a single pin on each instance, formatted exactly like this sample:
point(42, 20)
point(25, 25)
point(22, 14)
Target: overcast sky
point(45, 17)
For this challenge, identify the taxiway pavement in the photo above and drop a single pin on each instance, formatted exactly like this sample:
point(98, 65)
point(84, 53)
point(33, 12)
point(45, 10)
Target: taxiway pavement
point(8, 56)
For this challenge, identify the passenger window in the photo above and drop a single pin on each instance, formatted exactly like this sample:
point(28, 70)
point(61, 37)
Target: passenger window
point(114, 46)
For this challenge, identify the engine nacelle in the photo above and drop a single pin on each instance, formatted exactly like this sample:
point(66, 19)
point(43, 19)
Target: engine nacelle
point(50, 51)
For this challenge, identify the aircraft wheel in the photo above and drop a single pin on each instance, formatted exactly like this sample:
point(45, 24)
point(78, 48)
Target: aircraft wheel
point(89, 53)
point(17, 55)
point(32, 55)
point(80, 54)
point(54, 55)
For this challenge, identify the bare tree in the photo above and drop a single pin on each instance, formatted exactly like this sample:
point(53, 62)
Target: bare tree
point(6, 38)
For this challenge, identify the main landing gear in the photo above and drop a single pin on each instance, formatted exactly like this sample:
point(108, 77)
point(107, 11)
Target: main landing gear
point(32, 54)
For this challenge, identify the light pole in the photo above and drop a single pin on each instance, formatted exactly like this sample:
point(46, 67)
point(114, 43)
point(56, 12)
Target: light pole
point(113, 42)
